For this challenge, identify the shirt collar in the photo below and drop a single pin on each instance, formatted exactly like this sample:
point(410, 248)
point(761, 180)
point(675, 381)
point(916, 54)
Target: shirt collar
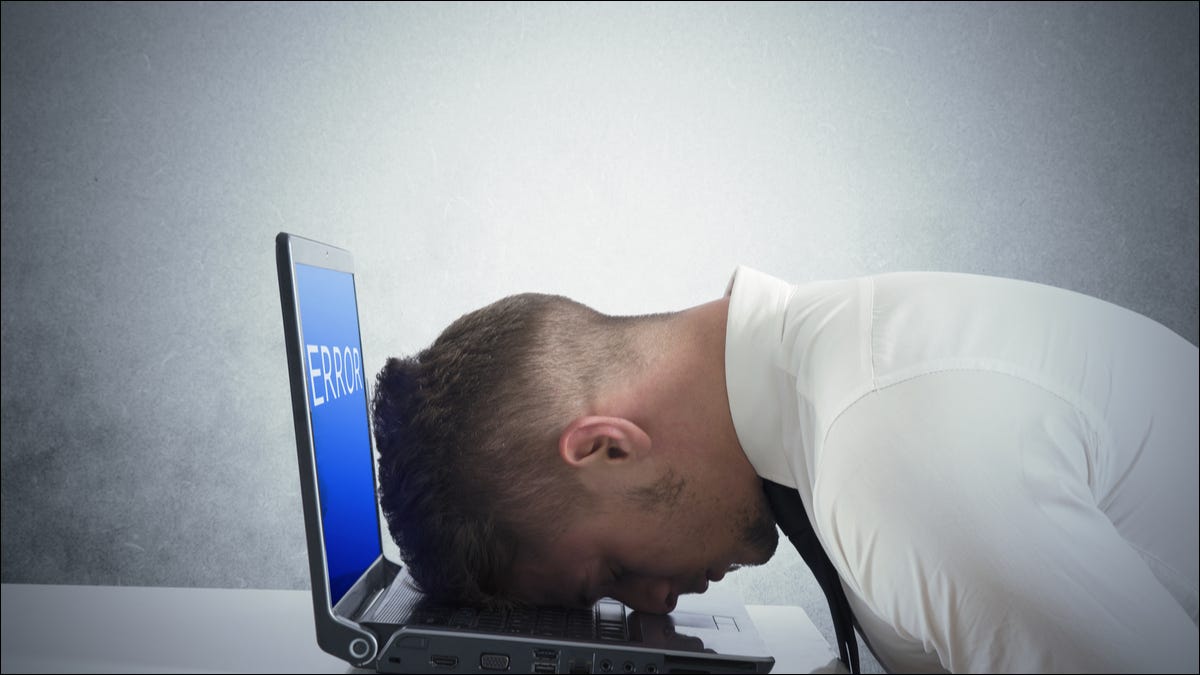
point(757, 386)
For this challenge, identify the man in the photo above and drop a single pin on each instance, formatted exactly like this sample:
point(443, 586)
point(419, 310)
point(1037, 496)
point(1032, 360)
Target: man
point(1003, 474)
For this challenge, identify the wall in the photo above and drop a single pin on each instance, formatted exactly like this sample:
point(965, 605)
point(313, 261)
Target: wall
point(626, 155)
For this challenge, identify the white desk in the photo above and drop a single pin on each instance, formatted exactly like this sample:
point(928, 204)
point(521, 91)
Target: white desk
point(135, 629)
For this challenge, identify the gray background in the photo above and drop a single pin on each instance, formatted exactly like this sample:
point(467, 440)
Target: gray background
point(626, 155)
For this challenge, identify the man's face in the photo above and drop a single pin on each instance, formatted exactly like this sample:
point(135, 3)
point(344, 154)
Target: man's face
point(647, 555)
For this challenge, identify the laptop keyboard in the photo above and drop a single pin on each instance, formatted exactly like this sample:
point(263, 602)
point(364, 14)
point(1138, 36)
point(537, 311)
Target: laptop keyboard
point(605, 621)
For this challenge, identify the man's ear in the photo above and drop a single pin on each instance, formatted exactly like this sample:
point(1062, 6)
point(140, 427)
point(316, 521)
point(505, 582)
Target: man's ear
point(602, 441)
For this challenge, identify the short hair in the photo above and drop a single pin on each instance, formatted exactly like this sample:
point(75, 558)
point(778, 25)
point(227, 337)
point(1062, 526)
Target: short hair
point(467, 433)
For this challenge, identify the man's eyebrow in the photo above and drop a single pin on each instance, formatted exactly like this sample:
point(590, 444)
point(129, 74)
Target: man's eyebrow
point(584, 598)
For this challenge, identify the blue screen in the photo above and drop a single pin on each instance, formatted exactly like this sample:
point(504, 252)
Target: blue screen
point(337, 404)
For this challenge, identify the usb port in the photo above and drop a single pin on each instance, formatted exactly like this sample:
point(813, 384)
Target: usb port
point(543, 667)
point(550, 654)
point(439, 661)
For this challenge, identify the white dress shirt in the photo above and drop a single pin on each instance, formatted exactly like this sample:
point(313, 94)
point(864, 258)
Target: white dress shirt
point(1003, 473)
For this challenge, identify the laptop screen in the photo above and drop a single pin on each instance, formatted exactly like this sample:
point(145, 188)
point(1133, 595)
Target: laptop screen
point(337, 405)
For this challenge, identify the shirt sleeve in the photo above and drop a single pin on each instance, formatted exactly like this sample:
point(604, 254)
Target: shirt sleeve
point(957, 505)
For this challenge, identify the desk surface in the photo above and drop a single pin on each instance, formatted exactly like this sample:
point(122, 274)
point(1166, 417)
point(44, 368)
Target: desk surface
point(135, 629)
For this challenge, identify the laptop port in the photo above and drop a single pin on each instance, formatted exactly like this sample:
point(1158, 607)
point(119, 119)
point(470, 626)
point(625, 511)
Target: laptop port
point(543, 667)
point(440, 661)
point(581, 667)
point(493, 661)
point(605, 666)
point(629, 667)
point(548, 654)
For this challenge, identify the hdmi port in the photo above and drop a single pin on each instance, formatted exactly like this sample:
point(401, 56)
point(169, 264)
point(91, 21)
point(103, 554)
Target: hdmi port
point(438, 661)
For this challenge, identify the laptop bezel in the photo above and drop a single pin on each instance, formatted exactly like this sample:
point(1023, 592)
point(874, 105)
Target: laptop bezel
point(336, 634)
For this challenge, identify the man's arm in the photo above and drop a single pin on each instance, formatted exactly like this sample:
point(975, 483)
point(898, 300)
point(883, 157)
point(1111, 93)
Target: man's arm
point(958, 508)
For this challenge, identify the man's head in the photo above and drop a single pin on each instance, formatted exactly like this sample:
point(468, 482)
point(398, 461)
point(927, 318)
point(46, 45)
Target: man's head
point(539, 448)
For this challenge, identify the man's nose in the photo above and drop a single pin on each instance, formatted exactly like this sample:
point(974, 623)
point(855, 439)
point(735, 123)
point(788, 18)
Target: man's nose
point(655, 596)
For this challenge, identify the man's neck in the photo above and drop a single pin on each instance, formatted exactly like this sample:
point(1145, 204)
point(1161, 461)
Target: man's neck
point(680, 397)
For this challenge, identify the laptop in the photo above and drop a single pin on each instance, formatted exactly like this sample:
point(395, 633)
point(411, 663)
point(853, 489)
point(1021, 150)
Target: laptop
point(368, 610)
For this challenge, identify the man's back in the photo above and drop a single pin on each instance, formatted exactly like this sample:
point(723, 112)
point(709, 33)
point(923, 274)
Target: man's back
point(989, 463)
